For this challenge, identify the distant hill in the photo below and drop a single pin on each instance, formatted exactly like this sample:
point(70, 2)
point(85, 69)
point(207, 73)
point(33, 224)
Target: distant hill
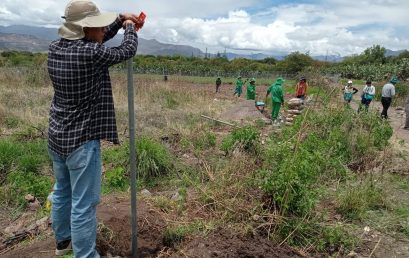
point(11, 41)
point(37, 39)
point(393, 53)
point(38, 32)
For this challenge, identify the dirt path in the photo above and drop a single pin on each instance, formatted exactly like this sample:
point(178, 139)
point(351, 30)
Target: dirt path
point(396, 119)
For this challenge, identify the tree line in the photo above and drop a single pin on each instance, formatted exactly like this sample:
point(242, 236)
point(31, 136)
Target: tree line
point(372, 63)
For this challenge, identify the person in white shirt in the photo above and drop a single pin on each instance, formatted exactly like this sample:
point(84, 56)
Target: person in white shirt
point(368, 94)
point(388, 91)
point(349, 91)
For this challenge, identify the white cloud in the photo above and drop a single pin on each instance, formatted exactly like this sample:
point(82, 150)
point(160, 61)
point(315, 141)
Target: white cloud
point(333, 26)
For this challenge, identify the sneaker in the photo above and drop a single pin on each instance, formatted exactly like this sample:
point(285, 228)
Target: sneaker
point(63, 247)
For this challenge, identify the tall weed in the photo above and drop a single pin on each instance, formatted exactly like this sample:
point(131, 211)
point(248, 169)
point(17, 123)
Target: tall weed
point(245, 138)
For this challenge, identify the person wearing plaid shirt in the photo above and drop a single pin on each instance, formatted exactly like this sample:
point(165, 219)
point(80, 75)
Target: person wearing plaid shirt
point(81, 114)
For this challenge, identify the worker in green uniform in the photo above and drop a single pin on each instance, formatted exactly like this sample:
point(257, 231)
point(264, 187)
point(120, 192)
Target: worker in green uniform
point(239, 87)
point(277, 97)
point(251, 89)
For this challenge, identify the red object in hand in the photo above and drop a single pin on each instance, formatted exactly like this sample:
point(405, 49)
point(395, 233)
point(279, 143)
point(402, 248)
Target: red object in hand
point(141, 19)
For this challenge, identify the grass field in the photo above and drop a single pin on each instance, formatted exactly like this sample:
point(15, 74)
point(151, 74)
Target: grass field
point(316, 186)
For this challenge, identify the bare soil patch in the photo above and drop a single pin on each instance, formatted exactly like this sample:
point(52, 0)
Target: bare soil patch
point(224, 243)
point(115, 232)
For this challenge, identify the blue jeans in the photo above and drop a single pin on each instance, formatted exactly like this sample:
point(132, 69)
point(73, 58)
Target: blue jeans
point(76, 196)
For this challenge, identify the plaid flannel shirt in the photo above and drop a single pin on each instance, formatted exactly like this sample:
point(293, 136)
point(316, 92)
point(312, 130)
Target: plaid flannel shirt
point(82, 108)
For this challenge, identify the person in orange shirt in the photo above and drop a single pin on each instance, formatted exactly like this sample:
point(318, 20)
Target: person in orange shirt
point(301, 88)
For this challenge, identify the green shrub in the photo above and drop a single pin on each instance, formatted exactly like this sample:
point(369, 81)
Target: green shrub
point(153, 159)
point(300, 160)
point(335, 239)
point(115, 179)
point(204, 140)
point(245, 138)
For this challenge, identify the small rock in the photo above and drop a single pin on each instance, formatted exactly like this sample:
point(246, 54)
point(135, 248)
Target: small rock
point(29, 198)
point(13, 228)
point(256, 217)
point(295, 101)
point(367, 229)
point(35, 205)
point(145, 192)
point(175, 197)
point(288, 123)
point(294, 111)
point(186, 156)
point(399, 108)
point(42, 223)
point(352, 254)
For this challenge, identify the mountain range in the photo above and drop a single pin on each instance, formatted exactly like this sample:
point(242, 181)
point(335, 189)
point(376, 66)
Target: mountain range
point(37, 39)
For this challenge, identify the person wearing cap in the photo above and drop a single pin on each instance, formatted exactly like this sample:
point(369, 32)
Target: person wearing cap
point(301, 88)
point(218, 83)
point(277, 97)
point(368, 93)
point(349, 91)
point(239, 87)
point(251, 89)
point(388, 91)
point(81, 114)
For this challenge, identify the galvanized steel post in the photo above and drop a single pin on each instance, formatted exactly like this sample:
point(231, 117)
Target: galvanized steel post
point(132, 158)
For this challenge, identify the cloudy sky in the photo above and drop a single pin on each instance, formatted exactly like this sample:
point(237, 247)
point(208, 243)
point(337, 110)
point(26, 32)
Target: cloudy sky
point(319, 27)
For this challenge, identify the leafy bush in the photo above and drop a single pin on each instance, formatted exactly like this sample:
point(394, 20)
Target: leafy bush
point(115, 179)
point(245, 138)
point(336, 238)
point(315, 149)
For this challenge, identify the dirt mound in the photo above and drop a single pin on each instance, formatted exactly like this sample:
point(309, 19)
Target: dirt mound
point(114, 232)
point(243, 110)
point(223, 243)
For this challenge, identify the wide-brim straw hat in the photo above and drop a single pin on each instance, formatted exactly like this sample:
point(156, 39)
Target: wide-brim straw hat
point(83, 13)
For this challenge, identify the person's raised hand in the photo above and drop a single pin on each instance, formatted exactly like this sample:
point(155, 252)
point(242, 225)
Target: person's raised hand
point(132, 17)
point(126, 22)
point(128, 16)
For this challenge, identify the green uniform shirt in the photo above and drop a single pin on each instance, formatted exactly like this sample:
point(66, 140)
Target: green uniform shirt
point(239, 83)
point(276, 93)
point(251, 91)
